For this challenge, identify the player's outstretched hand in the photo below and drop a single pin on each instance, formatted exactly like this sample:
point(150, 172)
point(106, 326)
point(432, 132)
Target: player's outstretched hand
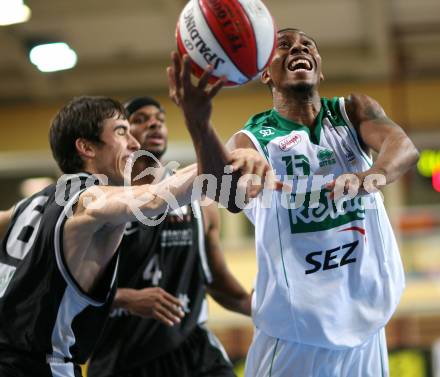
point(193, 99)
point(155, 303)
point(255, 171)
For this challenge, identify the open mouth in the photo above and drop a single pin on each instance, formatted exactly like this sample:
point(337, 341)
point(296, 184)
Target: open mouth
point(152, 141)
point(155, 137)
point(300, 65)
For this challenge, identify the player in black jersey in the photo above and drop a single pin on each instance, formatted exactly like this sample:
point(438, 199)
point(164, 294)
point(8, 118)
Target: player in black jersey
point(157, 326)
point(58, 257)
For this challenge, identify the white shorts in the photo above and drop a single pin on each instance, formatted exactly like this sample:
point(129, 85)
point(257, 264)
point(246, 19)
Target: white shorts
point(272, 357)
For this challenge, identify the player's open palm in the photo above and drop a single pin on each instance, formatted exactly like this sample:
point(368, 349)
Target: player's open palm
point(156, 303)
point(193, 99)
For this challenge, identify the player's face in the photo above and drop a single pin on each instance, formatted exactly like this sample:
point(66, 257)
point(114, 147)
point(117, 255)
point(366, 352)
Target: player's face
point(112, 156)
point(296, 62)
point(149, 128)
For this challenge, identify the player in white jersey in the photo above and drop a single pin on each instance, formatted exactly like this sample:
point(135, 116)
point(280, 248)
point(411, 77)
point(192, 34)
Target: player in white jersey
point(329, 271)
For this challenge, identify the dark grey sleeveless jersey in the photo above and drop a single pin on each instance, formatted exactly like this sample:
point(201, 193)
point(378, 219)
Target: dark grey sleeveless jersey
point(47, 323)
point(172, 256)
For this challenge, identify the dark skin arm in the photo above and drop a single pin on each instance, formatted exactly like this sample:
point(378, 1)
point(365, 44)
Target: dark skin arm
point(196, 105)
point(150, 303)
point(195, 101)
point(225, 288)
point(396, 153)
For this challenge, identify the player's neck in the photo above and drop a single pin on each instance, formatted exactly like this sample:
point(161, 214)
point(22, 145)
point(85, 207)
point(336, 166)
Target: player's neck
point(298, 106)
point(144, 163)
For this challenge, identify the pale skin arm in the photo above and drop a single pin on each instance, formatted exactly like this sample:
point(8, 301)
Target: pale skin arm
point(5, 219)
point(111, 205)
point(155, 302)
point(93, 233)
point(225, 288)
point(396, 153)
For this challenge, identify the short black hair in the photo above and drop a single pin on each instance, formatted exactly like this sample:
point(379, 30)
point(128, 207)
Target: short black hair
point(82, 117)
point(289, 29)
point(297, 31)
point(136, 103)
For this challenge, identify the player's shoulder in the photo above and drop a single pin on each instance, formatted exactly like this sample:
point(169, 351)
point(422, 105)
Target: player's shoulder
point(356, 104)
point(361, 107)
point(359, 99)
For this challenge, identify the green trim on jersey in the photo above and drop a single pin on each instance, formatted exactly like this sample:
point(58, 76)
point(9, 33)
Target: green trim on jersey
point(270, 124)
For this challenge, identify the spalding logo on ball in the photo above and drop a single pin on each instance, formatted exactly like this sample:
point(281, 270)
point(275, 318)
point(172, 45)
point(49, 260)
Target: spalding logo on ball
point(237, 37)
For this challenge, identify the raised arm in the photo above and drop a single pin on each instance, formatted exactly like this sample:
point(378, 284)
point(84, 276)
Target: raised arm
point(225, 288)
point(396, 151)
point(196, 104)
point(195, 100)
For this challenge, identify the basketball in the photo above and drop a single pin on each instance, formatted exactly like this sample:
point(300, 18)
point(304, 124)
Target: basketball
point(237, 37)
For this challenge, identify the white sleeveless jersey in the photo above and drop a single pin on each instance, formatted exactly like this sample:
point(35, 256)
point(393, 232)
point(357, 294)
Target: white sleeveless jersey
point(325, 277)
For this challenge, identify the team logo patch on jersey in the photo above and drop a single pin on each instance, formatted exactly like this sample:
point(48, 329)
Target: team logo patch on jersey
point(290, 141)
point(326, 157)
point(267, 131)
